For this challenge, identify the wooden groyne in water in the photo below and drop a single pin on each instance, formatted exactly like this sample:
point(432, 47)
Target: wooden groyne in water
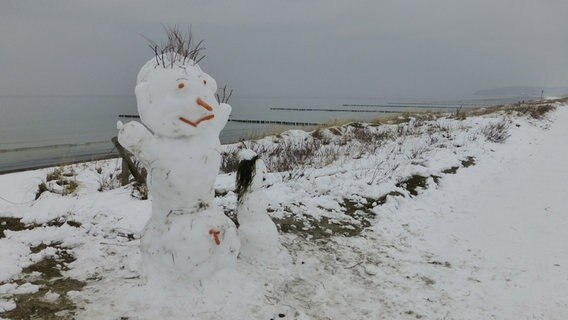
point(288, 123)
point(409, 105)
point(334, 110)
point(434, 104)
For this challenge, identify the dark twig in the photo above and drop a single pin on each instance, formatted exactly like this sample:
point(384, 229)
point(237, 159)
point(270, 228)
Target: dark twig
point(353, 266)
point(223, 94)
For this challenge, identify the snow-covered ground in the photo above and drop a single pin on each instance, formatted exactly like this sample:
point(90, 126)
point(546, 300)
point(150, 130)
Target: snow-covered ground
point(427, 219)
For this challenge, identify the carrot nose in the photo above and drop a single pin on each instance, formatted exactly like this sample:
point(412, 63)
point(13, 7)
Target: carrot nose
point(204, 104)
point(215, 235)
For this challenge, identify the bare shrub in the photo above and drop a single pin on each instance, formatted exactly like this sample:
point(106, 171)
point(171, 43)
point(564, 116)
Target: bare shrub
point(438, 127)
point(460, 114)
point(401, 131)
point(384, 167)
point(412, 127)
point(284, 156)
point(141, 169)
point(139, 191)
point(496, 132)
point(432, 139)
point(363, 134)
point(229, 161)
point(370, 138)
point(288, 156)
point(319, 134)
point(70, 187)
point(540, 111)
point(293, 155)
point(385, 135)
point(41, 188)
point(108, 182)
point(416, 151)
point(532, 109)
point(56, 174)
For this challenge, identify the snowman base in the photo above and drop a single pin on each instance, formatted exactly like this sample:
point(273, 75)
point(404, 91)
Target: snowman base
point(188, 247)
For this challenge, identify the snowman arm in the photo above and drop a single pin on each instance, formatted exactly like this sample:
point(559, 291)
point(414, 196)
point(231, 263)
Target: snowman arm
point(134, 137)
point(223, 113)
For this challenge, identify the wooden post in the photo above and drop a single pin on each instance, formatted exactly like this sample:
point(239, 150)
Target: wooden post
point(124, 154)
point(125, 174)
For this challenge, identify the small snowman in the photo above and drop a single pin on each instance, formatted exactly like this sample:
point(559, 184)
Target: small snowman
point(188, 238)
point(257, 233)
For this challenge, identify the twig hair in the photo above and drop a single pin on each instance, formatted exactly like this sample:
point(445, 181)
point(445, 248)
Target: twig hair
point(245, 174)
point(180, 47)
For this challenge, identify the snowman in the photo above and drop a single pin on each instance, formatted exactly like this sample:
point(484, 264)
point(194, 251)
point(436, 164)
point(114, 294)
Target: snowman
point(257, 233)
point(187, 238)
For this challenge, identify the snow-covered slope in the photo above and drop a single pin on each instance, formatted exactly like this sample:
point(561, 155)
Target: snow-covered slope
point(433, 221)
point(502, 225)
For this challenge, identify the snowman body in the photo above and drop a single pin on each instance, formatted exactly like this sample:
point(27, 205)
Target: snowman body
point(188, 247)
point(187, 238)
point(258, 235)
point(181, 178)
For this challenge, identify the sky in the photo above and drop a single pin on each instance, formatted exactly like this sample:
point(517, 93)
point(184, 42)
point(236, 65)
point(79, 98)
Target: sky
point(293, 48)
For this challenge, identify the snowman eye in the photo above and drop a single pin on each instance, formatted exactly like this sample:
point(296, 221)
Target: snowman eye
point(204, 81)
point(181, 85)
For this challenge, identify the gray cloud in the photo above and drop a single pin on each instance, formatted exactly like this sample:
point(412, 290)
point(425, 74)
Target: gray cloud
point(393, 48)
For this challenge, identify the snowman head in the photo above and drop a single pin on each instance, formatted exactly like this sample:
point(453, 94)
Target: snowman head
point(177, 99)
point(251, 175)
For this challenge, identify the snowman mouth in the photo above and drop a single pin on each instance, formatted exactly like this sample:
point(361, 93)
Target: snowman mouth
point(195, 123)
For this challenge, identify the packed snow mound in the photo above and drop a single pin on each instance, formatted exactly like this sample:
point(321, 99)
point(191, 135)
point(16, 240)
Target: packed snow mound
point(247, 154)
point(257, 232)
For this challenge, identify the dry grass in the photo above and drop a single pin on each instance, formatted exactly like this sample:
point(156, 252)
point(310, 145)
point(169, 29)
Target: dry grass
point(316, 150)
point(46, 274)
point(335, 140)
point(108, 181)
point(61, 180)
point(540, 111)
point(535, 110)
point(34, 305)
point(230, 160)
point(497, 132)
point(286, 157)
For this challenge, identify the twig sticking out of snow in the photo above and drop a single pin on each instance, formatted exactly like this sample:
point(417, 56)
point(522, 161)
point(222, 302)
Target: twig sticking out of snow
point(353, 266)
point(224, 94)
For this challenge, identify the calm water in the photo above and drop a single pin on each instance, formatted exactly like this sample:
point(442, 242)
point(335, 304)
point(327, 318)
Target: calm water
point(39, 131)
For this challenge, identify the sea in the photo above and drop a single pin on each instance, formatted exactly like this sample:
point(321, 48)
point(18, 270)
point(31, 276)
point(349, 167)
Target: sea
point(40, 131)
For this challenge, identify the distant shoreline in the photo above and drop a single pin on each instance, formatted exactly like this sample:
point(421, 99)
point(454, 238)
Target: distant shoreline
point(88, 158)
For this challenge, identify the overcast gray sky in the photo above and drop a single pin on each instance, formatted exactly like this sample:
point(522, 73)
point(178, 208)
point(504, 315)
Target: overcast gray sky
point(395, 48)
